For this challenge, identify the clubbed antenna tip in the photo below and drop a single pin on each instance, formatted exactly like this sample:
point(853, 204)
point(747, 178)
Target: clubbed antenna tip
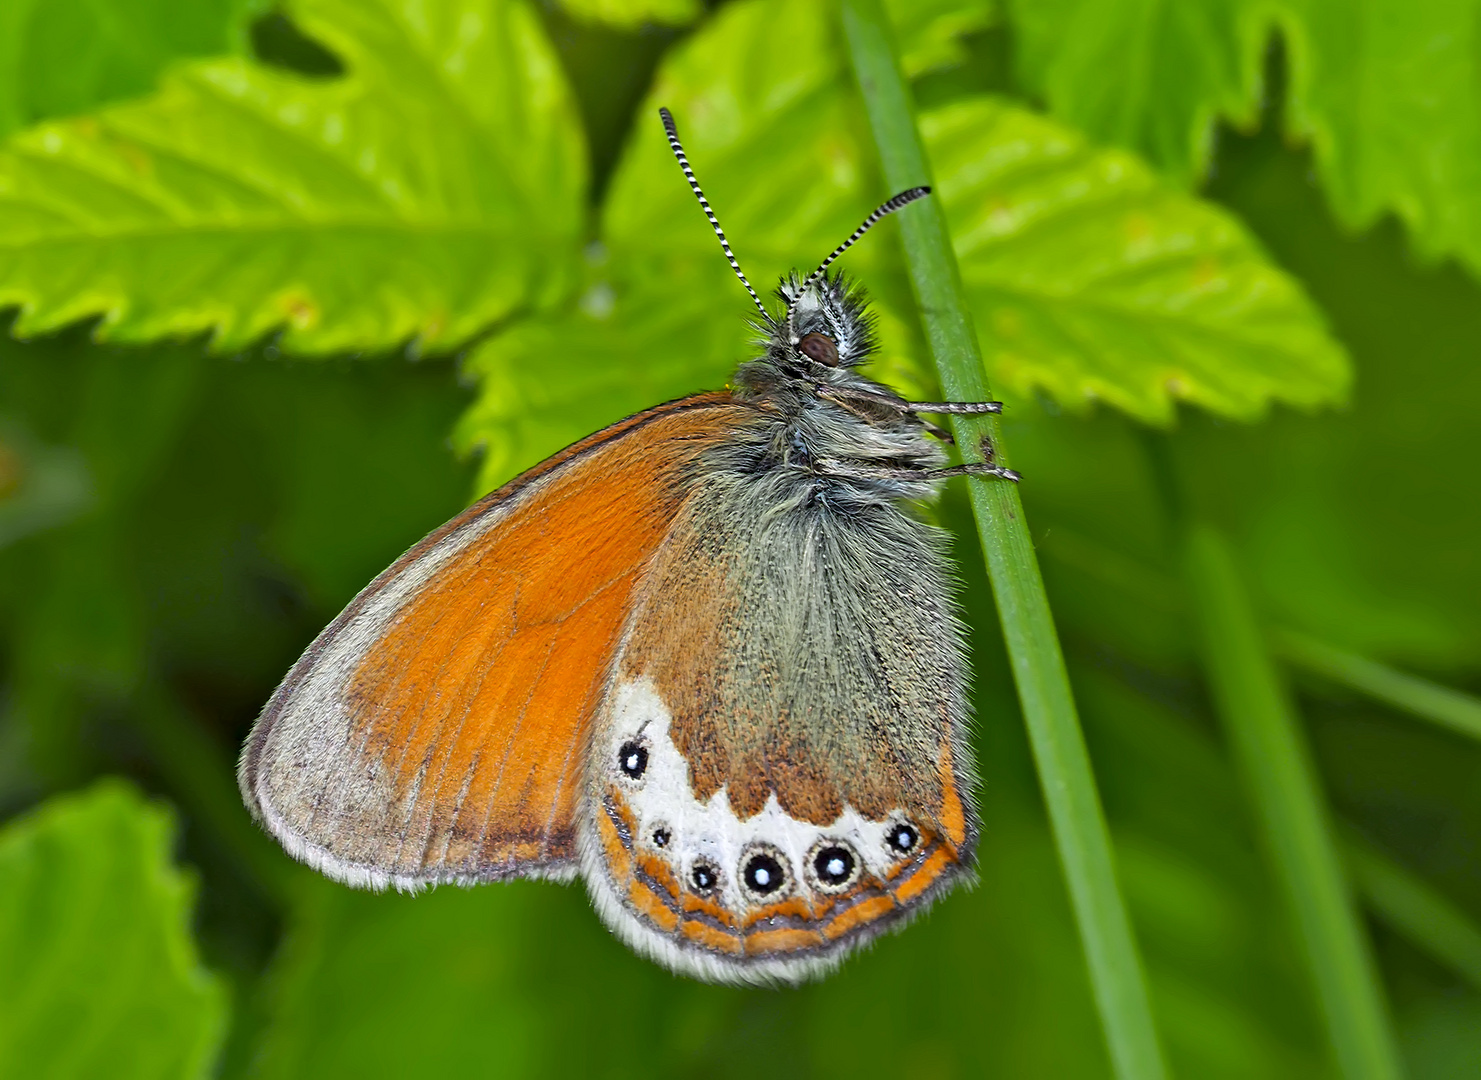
point(889, 206)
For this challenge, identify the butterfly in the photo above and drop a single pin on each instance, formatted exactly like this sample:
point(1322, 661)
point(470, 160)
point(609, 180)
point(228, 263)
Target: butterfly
point(706, 659)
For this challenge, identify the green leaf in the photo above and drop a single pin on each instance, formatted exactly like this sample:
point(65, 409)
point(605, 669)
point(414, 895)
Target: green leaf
point(778, 146)
point(929, 32)
point(1091, 279)
point(1390, 95)
point(59, 57)
point(1148, 75)
point(98, 972)
point(550, 381)
point(631, 14)
point(1388, 92)
point(432, 190)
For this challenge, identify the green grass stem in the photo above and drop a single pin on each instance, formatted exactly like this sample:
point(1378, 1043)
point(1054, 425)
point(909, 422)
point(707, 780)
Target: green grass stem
point(1394, 894)
point(1425, 700)
point(1411, 906)
point(1075, 815)
point(1269, 750)
point(1441, 705)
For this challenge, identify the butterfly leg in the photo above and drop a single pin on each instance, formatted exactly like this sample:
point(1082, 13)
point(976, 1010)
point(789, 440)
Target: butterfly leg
point(974, 468)
point(889, 401)
point(864, 471)
point(986, 467)
point(960, 408)
point(938, 431)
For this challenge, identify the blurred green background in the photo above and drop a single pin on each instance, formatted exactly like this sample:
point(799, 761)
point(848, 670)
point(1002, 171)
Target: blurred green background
point(286, 288)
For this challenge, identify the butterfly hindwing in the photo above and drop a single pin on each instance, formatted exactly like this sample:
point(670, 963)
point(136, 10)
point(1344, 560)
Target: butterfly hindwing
point(435, 730)
point(791, 686)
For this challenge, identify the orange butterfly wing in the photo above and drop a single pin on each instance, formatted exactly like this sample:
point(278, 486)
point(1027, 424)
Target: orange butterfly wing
point(435, 730)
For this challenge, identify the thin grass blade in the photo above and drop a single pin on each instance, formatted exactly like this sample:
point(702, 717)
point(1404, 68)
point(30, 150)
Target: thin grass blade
point(1268, 748)
point(1453, 709)
point(1075, 814)
point(1414, 908)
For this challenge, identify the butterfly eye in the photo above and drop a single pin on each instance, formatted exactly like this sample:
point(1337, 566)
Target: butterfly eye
point(632, 759)
point(704, 877)
point(834, 865)
point(764, 871)
point(902, 837)
point(819, 347)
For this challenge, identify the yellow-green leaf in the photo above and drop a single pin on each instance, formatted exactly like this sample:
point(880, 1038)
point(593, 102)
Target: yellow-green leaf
point(630, 14)
point(432, 190)
point(1388, 92)
point(1093, 280)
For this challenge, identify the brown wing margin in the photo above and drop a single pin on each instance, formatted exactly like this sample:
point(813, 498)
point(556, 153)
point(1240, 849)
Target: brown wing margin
point(434, 730)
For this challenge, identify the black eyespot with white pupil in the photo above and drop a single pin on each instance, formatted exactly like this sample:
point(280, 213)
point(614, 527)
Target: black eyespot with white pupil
point(704, 877)
point(632, 759)
point(661, 837)
point(834, 864)
point(819, 347)
point(763, 874)
point(903, 837)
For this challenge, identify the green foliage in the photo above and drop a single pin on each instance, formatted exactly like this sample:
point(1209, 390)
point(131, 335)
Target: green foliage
point(40, 486)
point(1150, 76)
point(98, 971)
point(1270, 751)
point(634, 13)
point(181, 522)
point(83, 608)
point(929, 32)
point(65, 56)
point(1386, 92)
point(1090, 279)
point(433, 189)
point(549, 993)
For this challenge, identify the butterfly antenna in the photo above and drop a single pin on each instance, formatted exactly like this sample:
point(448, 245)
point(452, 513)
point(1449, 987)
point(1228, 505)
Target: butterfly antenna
point(678, 149)
point(889, 206)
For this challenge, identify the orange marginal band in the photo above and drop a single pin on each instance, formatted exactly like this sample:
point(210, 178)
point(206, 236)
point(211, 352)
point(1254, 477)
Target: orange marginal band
point(953, 818)
point(789, 927)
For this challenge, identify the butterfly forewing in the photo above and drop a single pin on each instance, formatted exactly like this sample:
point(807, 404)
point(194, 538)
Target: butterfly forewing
point(435, 730)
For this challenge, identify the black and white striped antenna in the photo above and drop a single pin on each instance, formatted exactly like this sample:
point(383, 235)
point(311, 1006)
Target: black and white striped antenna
point(678, 149)
point(889, 206)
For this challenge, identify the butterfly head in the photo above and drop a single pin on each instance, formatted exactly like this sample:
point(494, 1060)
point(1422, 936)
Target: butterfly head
point(826, 332)
point(826, 329)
